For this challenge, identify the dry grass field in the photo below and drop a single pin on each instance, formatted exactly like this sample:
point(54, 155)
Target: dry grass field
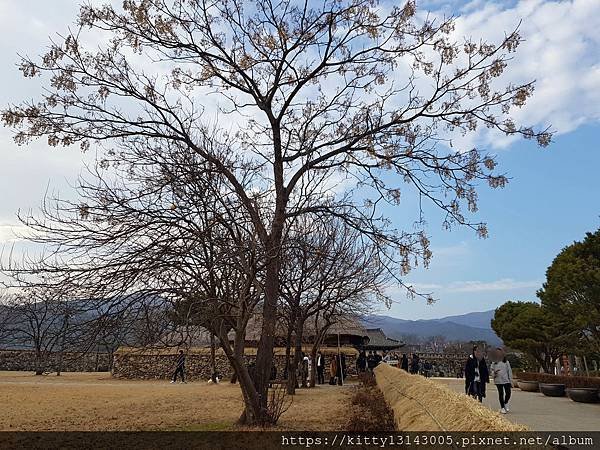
point(95, 401)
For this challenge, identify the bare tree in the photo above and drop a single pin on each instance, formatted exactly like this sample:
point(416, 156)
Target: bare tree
point(36, 324)
point(318, 97)
point(327, 268)
point(160, 248)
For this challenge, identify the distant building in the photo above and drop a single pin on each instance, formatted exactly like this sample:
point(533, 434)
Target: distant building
point(378, 341)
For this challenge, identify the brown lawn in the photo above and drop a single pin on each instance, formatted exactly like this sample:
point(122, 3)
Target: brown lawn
point(95, 401)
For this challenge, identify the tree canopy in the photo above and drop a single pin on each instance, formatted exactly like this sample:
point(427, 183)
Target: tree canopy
point(572, 288)
point(535, 330)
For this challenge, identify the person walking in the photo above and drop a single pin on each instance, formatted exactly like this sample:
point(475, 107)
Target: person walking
point(333, 370)
point(469, 369)
point(414, 364)
point(304, 371)
point(371, 362)
point(427, 369)
point(378, 359)
point(502, 374)
point(476, 372)
point(180, 368)
point(361, 362)
point(320, 368)
point(404, 363)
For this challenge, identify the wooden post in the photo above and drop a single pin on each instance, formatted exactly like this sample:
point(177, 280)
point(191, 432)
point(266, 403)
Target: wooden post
point(340, 360)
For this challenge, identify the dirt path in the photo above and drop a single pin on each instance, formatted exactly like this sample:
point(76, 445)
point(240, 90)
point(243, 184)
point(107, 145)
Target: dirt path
point(95, 401)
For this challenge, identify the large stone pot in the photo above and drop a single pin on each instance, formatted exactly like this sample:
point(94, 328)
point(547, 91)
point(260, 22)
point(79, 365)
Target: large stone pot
point(583, 395)
point(552, 389)
point(529, 386)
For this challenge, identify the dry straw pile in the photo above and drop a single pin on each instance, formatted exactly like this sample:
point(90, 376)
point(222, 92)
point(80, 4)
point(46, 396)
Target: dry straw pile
point(420, 404)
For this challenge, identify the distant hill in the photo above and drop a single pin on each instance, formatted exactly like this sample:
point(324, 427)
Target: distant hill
point(481, 319)
point(467, 327)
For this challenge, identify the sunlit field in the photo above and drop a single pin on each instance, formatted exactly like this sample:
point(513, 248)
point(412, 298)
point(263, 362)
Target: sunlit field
point(95, 401)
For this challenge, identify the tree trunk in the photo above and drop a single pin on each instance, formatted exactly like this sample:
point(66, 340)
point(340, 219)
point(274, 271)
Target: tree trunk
point(293, 372)
point(264, 352)
point(38, 362)
point(63, 340)
point(313, 368)
point(253, 413)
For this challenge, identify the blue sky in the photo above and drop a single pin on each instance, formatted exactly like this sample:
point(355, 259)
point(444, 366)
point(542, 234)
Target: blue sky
point(552, 199)
point(553, 196)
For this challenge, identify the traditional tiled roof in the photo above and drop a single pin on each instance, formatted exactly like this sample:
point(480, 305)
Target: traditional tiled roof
point(378, 340)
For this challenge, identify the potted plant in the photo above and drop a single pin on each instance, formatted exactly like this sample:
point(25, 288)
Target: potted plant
point(529, 386)
point(583, 394)
point(552, 389)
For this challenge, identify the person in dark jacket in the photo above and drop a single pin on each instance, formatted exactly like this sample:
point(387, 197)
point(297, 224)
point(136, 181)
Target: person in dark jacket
point(361, 362)
point(404, 363)
point(427, 369)
point(371, 361)
point(470, 365)
point(476, 374)
point(179, 368)
point(320, 368)
point(414, 364)
point(378, 359)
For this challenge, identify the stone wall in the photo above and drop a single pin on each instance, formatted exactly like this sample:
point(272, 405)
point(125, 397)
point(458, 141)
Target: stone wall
point(157, 364)
point(24, 360)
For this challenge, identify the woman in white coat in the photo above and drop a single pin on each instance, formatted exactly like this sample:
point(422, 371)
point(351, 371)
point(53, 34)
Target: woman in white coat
point(502, 374)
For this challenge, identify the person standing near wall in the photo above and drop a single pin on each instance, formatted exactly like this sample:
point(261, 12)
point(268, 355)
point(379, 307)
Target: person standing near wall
point(320, 368)
point(303, 370)
point(371, 361)
point(333, 370)
point(502, 374)
point(180, 367)
point(361, 362)
point(404, 363)
point(414, 364)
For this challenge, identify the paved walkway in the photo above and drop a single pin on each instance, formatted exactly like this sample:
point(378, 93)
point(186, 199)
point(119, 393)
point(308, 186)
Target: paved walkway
point(539, 412)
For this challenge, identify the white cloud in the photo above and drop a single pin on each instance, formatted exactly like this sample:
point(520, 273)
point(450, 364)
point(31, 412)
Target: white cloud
point(505, 284)
point(561, 53)
point(426, 287)
point(13, 232)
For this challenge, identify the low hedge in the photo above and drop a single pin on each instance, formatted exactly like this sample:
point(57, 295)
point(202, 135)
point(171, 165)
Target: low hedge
point(568, 381)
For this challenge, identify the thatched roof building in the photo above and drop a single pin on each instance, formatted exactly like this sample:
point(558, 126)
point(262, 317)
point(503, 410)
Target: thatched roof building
point(347, 331)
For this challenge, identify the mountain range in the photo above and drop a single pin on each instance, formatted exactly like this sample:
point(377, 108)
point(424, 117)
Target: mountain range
point(475, 326)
